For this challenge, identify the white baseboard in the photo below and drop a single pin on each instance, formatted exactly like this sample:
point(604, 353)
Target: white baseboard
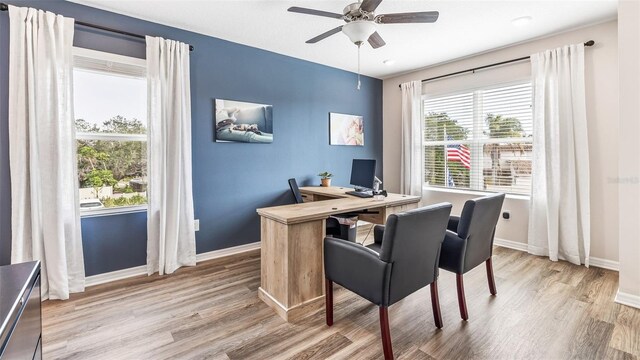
point(510, 244)
point(115, 275)
point(227, 252)
point(628, 299)
point(593, 261)
point(142, 270)
point(604, 263)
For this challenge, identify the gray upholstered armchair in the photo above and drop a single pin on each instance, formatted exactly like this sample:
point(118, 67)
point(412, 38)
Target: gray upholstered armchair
point(468, 242)
point(406, 260)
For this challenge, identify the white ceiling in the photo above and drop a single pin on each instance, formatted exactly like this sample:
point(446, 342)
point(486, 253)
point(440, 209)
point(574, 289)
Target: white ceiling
point(464, 27)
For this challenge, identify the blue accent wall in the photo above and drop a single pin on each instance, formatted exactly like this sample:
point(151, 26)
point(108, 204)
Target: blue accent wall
point(230, 180)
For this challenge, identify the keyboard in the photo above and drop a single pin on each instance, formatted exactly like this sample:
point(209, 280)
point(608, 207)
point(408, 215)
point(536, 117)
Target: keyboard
point(362, 194)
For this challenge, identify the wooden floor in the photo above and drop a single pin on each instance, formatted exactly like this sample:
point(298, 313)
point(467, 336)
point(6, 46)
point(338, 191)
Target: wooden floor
point(543, 310)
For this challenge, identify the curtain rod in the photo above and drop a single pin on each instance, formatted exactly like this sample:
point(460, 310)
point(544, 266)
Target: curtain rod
point(588, 43)
point(5, 7)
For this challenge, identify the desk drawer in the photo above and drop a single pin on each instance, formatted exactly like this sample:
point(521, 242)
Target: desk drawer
point(307, 198)
point(374, 218)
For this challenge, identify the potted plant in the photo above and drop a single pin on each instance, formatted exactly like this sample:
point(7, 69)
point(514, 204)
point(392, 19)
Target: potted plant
point(325, 178)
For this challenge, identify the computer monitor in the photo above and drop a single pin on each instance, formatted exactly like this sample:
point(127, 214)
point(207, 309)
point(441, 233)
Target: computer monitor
point(363, 171)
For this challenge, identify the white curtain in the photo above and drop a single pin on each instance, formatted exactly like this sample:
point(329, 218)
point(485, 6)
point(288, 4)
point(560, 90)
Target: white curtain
point(171, 236)
point(559, 225)
point(411, 157)
point(45, 213)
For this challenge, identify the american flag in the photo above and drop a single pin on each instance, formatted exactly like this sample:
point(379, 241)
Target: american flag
point(459, 152)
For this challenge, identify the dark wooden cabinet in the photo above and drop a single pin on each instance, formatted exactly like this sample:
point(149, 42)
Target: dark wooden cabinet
point(20, 312)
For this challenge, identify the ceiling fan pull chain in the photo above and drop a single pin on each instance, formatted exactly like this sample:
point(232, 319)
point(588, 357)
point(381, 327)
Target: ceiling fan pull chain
point(359, 65)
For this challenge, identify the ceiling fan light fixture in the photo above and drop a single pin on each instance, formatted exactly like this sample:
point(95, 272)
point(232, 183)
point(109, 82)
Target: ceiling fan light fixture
point(359, 31)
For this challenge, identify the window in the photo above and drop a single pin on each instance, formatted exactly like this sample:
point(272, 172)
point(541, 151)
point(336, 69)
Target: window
point(110, 106)
point(480, 140)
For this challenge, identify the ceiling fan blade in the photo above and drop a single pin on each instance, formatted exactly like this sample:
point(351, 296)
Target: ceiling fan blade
point(375, 40)
point(324, 35)
point(370, 5)
point(405, 18)
point(300, 10)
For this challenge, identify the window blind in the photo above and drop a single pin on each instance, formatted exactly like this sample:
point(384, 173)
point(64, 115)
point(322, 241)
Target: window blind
point(480, 140)
point(112, 64)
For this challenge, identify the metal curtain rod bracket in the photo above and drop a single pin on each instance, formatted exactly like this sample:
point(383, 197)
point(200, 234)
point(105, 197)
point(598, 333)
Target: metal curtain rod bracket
point(473, 70)
point(5, 7)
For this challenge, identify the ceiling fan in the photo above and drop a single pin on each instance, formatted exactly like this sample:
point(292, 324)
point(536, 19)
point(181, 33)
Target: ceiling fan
point(361, 22)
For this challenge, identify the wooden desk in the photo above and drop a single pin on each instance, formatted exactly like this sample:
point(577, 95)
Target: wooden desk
point(292, 274)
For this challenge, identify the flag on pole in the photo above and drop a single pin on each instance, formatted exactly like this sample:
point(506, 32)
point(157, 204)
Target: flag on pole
point(460, 153)
point(450, 182)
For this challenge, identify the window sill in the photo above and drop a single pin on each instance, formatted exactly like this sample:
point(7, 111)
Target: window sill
point(473, 192)
point(112, 211)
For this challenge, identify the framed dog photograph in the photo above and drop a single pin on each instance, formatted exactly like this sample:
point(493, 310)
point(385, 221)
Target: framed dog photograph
point(237, 121)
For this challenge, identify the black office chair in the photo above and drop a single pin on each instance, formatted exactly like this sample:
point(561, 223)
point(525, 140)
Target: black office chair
point(468, 242)
point(407, 261)
point(333, 226)
point(293, 185)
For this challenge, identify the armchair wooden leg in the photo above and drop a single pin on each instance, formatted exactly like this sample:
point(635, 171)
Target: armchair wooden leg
point(492, 281)
point(435, 304)
point(328, 286)
point(462, 303)
point(386, 334)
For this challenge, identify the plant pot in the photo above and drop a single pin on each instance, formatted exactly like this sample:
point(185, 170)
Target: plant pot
point(325, 182)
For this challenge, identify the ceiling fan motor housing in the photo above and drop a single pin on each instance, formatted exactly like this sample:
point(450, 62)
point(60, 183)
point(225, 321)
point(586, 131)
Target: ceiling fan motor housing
point(353, 12)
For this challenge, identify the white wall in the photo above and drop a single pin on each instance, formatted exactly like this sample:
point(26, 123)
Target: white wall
point(510, 230)
point(629, 169)
point(601, 62)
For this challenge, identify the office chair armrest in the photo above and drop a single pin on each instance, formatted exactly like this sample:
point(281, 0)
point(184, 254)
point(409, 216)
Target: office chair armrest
point(453, 223)
point(452, 253)
point(378, 232)
point(357, 268)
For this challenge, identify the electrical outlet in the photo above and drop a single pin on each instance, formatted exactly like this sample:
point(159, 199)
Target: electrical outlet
point(196, 224)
